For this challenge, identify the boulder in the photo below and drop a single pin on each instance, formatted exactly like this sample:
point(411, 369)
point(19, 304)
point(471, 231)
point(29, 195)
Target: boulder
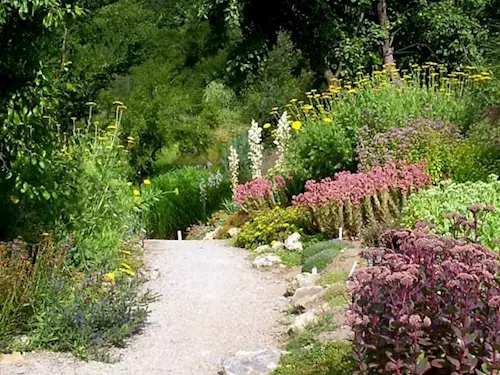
point(277, 245)
point(261, 362)
point(293, 242)
point(306, 297)
point(302, 321)
point(300, 281)
point(266, 260)
point(262, 249)
point(233, 232)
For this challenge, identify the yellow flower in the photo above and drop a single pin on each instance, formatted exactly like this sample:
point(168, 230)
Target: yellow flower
point(110, 276)
point(266, 125)
point(176, 191)
point(136, 193)
point(296, 125)
point(146, 182)
point(129, 183)
point(328, 120)
point(14, 200)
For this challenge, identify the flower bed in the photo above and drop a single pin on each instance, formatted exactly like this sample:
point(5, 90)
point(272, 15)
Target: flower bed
point(351, 200)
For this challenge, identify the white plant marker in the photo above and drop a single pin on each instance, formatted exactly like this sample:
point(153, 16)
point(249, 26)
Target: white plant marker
point(340, 233)
point(314, 271)
point(352, 270)
point(179, 235)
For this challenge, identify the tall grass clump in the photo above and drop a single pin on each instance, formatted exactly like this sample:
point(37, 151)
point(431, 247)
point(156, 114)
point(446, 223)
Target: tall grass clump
point(190, 195)
point(328, 123)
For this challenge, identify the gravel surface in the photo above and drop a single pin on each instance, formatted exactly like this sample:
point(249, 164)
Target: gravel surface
point(212, 304)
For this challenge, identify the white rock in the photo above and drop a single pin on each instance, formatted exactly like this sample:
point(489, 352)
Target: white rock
point(262, 249)
point(261, 362)
point(233, 231)
point(302, 321)
point(210, 235)
point(293, 242)
point(266, 260)
point(305, 297)
point(277, 245)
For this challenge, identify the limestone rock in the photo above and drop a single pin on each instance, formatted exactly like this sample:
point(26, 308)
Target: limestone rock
point(262, 249)
point(277, 245)
point(261, 362)
point(300, 294)
point(233, 231)
point(293, 242)
point(302, 280)
point(302, 321)
point(266, 260)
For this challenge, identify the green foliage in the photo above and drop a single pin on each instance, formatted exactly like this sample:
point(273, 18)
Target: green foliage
point(330, 121)
point(320, 260)
point(274, 81)
point(177, 211)
point(319, 359)
point(435, 203)
point(320, 246)
point(272, 225)
point(88, 317)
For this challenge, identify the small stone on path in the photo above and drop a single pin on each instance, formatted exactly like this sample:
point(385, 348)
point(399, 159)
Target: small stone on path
point(261, 362)
point(266, 260)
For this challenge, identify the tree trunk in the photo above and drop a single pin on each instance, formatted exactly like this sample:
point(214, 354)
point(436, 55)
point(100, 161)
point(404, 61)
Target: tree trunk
point(387, 49)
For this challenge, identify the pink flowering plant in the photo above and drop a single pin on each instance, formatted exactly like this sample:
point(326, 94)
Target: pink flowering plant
point(352, 200)
point(255, 195)
point(261, 193)
point(427, 305)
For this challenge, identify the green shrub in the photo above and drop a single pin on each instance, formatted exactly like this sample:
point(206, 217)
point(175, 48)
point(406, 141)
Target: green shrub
point(273, 225)
point(200, 193)
point(320, 246)
point(327, 359)
point(329, 122)
point(434, 204)
point(87, 316)
point(321, 259)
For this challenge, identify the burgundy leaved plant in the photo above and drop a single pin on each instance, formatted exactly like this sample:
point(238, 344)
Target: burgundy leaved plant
point(427, 305)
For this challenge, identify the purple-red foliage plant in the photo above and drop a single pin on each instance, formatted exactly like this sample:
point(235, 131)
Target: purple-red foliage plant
point(353, 200)
point(427, 305)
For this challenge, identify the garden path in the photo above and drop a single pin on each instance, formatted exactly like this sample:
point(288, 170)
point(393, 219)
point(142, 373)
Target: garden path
point(212, 303)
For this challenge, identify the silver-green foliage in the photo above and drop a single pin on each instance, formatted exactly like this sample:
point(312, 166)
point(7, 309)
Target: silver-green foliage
point(434, 204)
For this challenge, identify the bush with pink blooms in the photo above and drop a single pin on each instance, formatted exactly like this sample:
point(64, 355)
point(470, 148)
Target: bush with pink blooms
point(353, 200)
point(427, 305)
point(260, 193)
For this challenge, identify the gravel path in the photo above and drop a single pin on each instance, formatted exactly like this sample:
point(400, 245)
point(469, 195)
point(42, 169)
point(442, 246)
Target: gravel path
point(213, 303)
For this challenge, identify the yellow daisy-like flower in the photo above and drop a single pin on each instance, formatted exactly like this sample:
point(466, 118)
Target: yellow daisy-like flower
point(328, 120)
point(14, 200)
point(136, 193)
point(296, 125)
point(146, 182)
point(266, 125)
point(176, 191)
point(110, 276)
